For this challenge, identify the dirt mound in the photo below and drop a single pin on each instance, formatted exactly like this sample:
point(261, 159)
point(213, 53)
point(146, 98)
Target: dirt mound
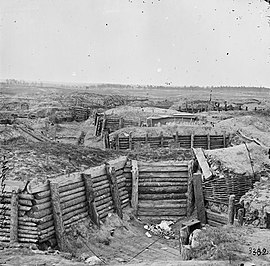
point(133, 113)
point(31, 160)
point(169, 130)
point(161, 154)
point(239, 158)
point(252, 126)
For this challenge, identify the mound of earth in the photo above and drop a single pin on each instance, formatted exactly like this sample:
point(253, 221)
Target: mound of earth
point(133, 113)
point(40, 160)
point(256, 127)
point(161, 154)
point(168, 130)
point(239, 158)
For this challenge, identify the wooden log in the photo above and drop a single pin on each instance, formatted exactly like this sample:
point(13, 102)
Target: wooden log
point(72, 196)
point(135, 185)
point(240, 216)
point(42, 206)
point(162, 184)
point(161, 180)
point(75, 219)
point(173, 205)
point(57, 215)
point(114, 189)
point(105, 205)
point(74, 207)
point(71, 186)
point(159, 218)
point(216, 217)
point(99, 179)
point(69, 215)
point(102, 192)
point(154, 190)
point(199, 199)
point(231, 209)
point(73, 202)
point(46, 225)
point(41, 201)
point(162, 212)
point(161, 196)
point(155, 174)
point(14, 217)
point(41, 195)
point(130, 141)
point(90, 196)
point(190, 191)
point(167, 169)
point(73, 191)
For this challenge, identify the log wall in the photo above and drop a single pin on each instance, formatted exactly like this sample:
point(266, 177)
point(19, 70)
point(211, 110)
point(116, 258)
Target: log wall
point(36, 220)
point(162, 190)
point(183, 141)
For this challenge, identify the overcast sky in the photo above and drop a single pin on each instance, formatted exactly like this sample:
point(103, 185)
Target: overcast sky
point(182, 42)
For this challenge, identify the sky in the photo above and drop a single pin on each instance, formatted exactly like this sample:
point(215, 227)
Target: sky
point(158, 42)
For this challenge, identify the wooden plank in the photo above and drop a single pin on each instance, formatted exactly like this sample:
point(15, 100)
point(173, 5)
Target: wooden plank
point(162, 211)
point(164, 163)
point(90, 196)
point(162, 196)
point(203, 163)
point(231, 209)
point(162, 169)
point(114, 189)
point(154, 190)
point(135, 185)
point(190, 191)
point(216, 217)
point(14, 217)
point(57, 215)
point(199, 199)
point(175, 175)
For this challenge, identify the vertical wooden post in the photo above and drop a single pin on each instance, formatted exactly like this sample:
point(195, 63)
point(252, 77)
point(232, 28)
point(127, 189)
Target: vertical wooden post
point(121, 122)
point(146, 138)
point(90, 197)
point(190, 191)
point(135, 186)
point(57, 215)
point(199, 199)
point(151, 122)
point(117, 142)
point(191, 141)
point(14, 219)
point(176, 137)
point(208, 142)
point(240, 216)
point(111, 175)
point(161, 139)
point(104, 122)
point(130, 141)
point(105, 139)
point(224, 140)
point(231, 209)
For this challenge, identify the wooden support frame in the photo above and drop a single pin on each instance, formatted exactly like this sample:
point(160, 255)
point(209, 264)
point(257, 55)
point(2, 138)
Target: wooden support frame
point(90, 197)
point(161, 139)
point(199, 199)
point(117, 142)
point(231, 209)
point(111, 175)
point(57, 215)
point(14, 217)
point(130, 141)
point(224, 140)
point(191, 140)
point(190, 191)
point(135, 186)
point(208, 141)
